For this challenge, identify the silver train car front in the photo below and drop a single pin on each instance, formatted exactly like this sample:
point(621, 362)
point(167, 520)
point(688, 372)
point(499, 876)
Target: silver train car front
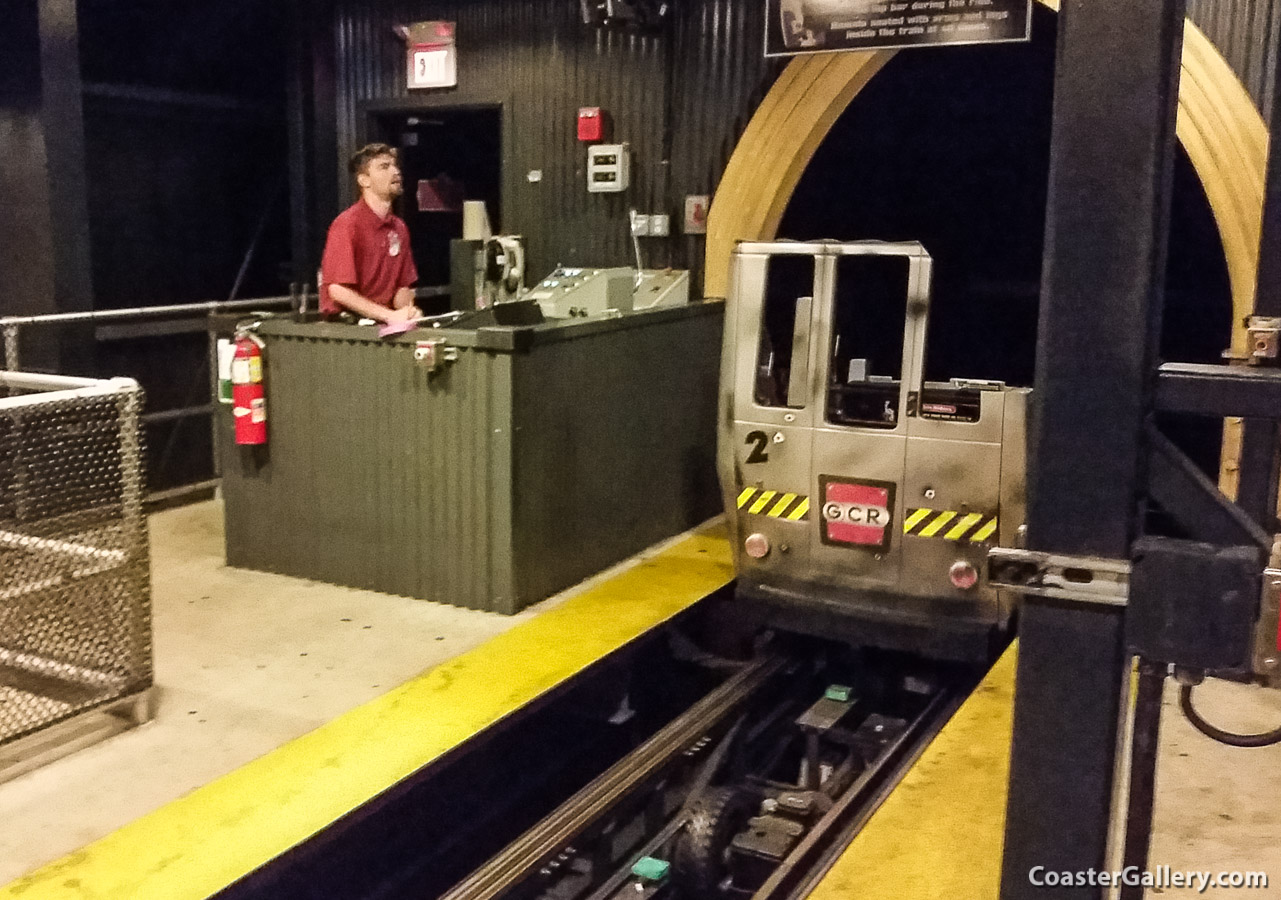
point(861, 499)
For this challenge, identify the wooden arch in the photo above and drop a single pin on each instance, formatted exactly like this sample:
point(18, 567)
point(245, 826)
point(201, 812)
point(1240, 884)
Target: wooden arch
point(1218, 125)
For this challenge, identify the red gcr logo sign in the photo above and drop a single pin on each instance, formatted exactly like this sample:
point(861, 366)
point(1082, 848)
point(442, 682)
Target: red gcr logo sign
point(857, 513)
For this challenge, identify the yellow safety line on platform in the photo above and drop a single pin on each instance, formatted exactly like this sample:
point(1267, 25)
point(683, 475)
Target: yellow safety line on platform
point(215, 835)
point(938, 836)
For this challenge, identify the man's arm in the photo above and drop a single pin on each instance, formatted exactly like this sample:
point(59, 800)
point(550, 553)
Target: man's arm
point(404, 299)
point(349, 299)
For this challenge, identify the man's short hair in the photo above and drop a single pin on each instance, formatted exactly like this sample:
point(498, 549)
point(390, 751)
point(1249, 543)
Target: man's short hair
point(361, 159)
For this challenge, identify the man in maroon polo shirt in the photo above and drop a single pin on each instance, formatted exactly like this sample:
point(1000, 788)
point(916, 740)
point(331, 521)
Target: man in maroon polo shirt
point(368, 268)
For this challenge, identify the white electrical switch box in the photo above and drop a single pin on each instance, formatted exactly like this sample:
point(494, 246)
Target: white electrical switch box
point(660, 225)
point(608, 168)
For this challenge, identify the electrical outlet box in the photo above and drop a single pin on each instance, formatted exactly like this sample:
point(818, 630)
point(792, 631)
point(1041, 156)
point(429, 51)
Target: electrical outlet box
point(660, 225)
point(641, 225)
point(608, 168)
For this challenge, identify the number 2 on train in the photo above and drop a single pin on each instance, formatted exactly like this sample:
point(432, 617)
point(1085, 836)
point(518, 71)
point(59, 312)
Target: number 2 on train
point(761, 440)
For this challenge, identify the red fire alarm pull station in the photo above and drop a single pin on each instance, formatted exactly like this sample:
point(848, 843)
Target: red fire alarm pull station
point(593, 124)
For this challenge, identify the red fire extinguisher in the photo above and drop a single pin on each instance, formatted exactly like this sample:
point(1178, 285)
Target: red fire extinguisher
point(249, 405)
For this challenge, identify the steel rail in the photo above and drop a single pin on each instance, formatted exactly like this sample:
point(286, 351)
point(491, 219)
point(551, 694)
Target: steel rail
point(532, 850)
point(35, 381)
point(143, 312)
point(609, 888)
point(806, 865)
point(175, 309)
point(824, 843)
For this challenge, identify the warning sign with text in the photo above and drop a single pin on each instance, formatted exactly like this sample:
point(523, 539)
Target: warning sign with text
point(857, 513)
point(816, 26)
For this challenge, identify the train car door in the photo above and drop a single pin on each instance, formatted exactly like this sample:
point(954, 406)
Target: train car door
point(870, 337)
point(768, 372)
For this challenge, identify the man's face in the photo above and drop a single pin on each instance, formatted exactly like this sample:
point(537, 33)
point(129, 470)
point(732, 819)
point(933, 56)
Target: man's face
point(382, 176)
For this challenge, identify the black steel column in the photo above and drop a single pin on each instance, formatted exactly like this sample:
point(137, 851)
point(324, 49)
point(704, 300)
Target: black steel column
point(64, 137)
point(1267, 300)
point(331, 191)
point(313, 151)
point(1257, 485)
point(44, 219)
point(1113, 145)
point(1142, 793)
point(303, 256)
point(26, 244)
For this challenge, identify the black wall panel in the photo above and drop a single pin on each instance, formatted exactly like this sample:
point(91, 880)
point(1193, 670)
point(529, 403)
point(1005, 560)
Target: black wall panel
point(1245, 31)
point(176, 193)
point(44, 252)
point(680, 98)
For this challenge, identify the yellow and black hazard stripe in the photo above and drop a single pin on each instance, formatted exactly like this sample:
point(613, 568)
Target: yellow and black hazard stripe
point(950, 525)
point(775, 504)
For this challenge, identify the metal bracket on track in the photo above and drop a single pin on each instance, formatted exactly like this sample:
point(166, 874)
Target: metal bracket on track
point(1081, 579)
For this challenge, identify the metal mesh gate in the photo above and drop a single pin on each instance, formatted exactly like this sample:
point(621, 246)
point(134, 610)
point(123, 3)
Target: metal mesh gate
point(75, 589)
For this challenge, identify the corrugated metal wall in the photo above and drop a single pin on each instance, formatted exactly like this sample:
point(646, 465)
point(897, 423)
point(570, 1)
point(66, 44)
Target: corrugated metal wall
point(419, 515)
point(613, 452)
point(506, 477)
point(1245, 31)
point(681, 101)
point(541, 63)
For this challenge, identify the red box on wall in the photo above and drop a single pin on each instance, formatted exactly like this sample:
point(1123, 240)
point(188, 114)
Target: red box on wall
point(593, 124)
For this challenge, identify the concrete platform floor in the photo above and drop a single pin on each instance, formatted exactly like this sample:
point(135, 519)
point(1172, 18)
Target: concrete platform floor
point(1217, 807)
point(246, 662)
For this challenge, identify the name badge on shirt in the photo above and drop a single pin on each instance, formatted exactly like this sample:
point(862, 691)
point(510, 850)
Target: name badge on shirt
point(393, 243)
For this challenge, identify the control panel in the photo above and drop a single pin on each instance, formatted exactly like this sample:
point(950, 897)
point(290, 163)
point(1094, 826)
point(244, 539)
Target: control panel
point(576, 292)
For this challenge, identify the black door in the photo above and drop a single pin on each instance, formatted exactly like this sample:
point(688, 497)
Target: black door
point(447, 156)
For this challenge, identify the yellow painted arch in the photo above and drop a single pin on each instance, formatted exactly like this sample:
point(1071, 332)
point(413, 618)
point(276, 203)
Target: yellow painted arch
point(1218, 125)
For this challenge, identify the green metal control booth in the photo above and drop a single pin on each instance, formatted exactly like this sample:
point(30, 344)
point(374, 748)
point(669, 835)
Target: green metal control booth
point(530, 458)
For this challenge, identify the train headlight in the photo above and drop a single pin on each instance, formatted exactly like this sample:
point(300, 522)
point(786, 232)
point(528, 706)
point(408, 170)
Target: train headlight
point(963, 575)
point(756, 545)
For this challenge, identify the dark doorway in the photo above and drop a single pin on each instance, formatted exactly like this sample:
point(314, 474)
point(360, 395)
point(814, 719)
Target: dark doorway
point(453, 154)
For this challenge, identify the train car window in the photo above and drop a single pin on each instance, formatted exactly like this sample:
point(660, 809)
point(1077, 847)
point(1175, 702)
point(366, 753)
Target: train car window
point(866, 356)
point(980, 337)
point(789, 285)
point(964, 355)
